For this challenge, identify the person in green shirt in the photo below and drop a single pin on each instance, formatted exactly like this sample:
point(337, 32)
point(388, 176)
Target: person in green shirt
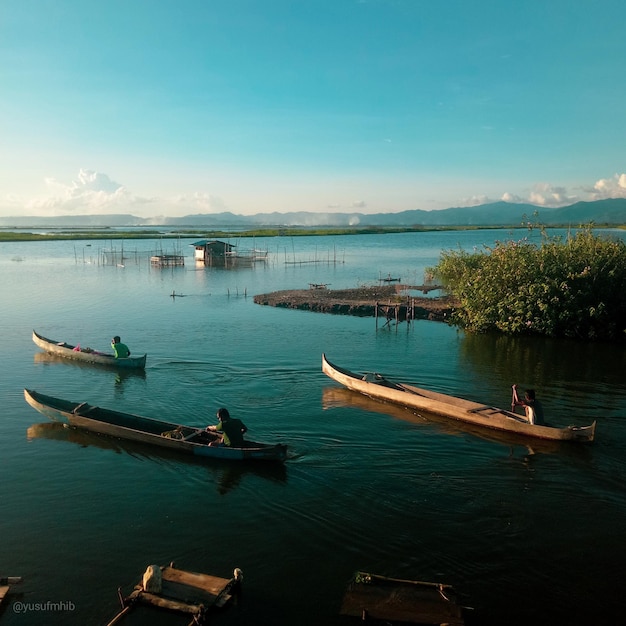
point(121, 349)
point(232, 429)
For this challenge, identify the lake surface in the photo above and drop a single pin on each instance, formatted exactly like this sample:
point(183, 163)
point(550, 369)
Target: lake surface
point(527, 532)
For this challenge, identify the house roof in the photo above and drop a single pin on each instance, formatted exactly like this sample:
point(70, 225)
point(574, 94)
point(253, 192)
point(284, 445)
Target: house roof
point(211, 242)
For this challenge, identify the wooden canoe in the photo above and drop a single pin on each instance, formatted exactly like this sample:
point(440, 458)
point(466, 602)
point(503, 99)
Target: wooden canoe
point(394, 600)
point(488, 416)
point(87, 355)
point(170, 435)
point(335, 397)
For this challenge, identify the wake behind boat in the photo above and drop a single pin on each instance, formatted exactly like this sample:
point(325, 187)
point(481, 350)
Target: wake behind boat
point(87, 355)
point(187, 439)
point(379, 387)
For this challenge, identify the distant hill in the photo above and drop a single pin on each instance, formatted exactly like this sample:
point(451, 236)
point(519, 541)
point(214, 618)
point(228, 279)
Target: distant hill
point(600, 212)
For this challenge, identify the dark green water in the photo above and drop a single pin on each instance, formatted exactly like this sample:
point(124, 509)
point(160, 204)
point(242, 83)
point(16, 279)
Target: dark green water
point(529, 534)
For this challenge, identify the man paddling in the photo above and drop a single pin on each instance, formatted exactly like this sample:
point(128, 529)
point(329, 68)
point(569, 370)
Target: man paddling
point(121, 349)
point(532, 406)
point(232, 430)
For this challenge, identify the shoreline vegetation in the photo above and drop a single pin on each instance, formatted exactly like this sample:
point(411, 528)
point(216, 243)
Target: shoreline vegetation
point(570, 287)
point(9, 234)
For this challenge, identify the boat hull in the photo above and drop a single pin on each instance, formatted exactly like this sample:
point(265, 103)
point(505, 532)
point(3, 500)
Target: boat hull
point(377, 386)
point(147, 430)
point(69, 351)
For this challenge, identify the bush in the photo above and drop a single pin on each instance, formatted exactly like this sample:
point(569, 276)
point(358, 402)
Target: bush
point(561, 288)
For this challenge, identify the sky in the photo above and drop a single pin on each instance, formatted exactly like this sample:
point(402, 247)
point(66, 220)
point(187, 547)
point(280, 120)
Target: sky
point(180, 107)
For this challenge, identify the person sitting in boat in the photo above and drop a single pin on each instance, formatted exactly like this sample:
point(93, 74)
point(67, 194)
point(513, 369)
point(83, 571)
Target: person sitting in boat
point(121, 349)
point(532, 406)
point(232, 430)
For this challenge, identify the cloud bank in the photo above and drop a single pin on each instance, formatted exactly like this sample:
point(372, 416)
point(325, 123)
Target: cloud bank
point(92, 193)
point(97, 193)
point(551, 196)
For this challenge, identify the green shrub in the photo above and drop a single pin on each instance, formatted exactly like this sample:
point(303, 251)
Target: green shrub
point(572, 287)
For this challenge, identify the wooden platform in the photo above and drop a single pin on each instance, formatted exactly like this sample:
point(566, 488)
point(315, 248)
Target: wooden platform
point(373, 598)
point(5, 585)
point(184, 592)
point(167, 260)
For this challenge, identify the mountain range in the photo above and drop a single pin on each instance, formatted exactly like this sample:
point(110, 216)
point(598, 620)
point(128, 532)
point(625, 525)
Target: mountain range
point(599, 212)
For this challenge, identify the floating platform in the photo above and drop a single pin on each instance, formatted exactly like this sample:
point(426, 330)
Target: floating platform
point(180, 591)
point(167, 260)
point(374, 598)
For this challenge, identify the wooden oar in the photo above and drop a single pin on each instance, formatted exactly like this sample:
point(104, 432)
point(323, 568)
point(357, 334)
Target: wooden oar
point(514, 398)
point(516, 401)
point(198, 431)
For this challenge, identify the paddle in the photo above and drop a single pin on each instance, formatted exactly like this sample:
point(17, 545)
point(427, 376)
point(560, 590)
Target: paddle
point(175, 434)
point(515, 398)
point(198, 431)
point(516, 401)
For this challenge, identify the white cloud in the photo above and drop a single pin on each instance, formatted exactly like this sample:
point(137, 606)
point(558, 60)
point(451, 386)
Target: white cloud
point(97, 193)
point(92, 193)
point(475, 201)
point(198, 203)
point(550, 196)
point(545, 194)
point(614, 187)
point(513, 198)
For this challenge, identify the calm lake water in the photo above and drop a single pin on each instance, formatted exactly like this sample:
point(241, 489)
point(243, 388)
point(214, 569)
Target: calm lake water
point(528, 532)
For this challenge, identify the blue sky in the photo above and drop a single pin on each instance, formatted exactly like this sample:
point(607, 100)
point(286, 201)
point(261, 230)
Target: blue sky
point(175, 107)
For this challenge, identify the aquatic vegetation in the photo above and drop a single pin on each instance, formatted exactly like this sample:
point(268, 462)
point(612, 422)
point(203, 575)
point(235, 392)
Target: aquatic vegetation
point(563, 287)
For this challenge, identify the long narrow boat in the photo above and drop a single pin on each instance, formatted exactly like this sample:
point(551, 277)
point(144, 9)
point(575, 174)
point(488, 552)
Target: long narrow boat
point(87, 355)
point(161, 433)
point(379, 387)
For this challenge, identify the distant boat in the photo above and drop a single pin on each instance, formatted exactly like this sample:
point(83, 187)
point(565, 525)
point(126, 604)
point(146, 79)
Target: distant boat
point(173, 436)
point(389, 279)
point(381, 388)
point(87, 355)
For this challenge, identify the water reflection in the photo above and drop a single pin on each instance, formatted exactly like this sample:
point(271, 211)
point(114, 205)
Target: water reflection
point(539, 358)
point(583, 378)
point(228, 475)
